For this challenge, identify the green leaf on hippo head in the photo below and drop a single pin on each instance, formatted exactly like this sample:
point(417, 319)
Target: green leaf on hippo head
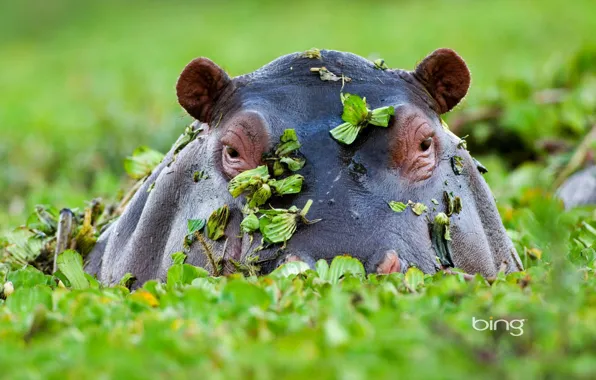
point(288, 143)
point(178, 258)
point(248, 178)
point(443, 220)
point(342, 265)
point(457, 205)
point(380, 116)
point(293, 163)
point(278, 168)
point(288, 185)
point(142, 162)
point(355, 110)
point(217, 223)
point(397, 206)
point(194, 225)
point(345, 133)
point(249, 224)
point(433, 200)
point(457, 164)
point(414, 278)
point(260, 196)
point(27, 277)
point(418, 208)
point(312, 53)
point(278, 228)
point(380, 64)
point(290, 269)
point(70, 264)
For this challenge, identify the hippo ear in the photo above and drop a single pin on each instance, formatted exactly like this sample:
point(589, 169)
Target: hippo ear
point(199, 87)
point(445, 76)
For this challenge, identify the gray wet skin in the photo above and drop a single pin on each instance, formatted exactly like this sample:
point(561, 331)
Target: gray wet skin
point(243, 117)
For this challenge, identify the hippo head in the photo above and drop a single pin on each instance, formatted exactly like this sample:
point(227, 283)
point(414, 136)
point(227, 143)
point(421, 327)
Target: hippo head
point(415, 158)
point(351, 185)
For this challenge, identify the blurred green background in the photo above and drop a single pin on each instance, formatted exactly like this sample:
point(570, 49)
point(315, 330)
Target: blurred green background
point(84, 83)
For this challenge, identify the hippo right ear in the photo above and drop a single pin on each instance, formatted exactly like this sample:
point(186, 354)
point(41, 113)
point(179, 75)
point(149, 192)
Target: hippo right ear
point(445, 76)
point(199, 87)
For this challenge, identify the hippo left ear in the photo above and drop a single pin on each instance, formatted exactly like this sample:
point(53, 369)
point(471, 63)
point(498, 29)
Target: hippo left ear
point(445, 76)
point(199, 87)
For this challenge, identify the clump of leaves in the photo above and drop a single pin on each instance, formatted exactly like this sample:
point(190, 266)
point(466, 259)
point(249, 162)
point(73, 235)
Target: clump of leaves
point(312, 53)
point(327, 75)
point(357, 116)
point(278, 225)
point(216, 225)
point(47, 232)
point(285, 156)
point(142, 162)
point(453, 204)
point(259, 188)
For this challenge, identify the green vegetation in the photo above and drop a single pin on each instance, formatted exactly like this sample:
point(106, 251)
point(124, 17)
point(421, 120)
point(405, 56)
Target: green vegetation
point(85, 83)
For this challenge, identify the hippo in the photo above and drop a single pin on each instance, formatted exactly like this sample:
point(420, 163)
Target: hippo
point(413, 163)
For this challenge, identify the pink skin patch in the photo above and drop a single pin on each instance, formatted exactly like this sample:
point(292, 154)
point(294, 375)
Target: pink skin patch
point(390, 263)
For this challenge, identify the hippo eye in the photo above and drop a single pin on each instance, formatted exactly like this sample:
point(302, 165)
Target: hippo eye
point(231, 152)
point(426, 143)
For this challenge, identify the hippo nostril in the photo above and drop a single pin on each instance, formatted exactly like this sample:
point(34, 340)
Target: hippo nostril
point(389, 263)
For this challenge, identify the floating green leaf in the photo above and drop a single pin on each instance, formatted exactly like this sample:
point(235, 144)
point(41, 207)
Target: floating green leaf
point(414, 278)
point(178, 258)
point(342, 265)
point(291, 268)
point(216, 225)
point(70, 264)
point(398, 206)
point(142, 162)
point(127, 280)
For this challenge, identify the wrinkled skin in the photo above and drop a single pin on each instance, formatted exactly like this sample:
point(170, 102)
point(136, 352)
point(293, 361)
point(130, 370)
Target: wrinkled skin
point(243, 117)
